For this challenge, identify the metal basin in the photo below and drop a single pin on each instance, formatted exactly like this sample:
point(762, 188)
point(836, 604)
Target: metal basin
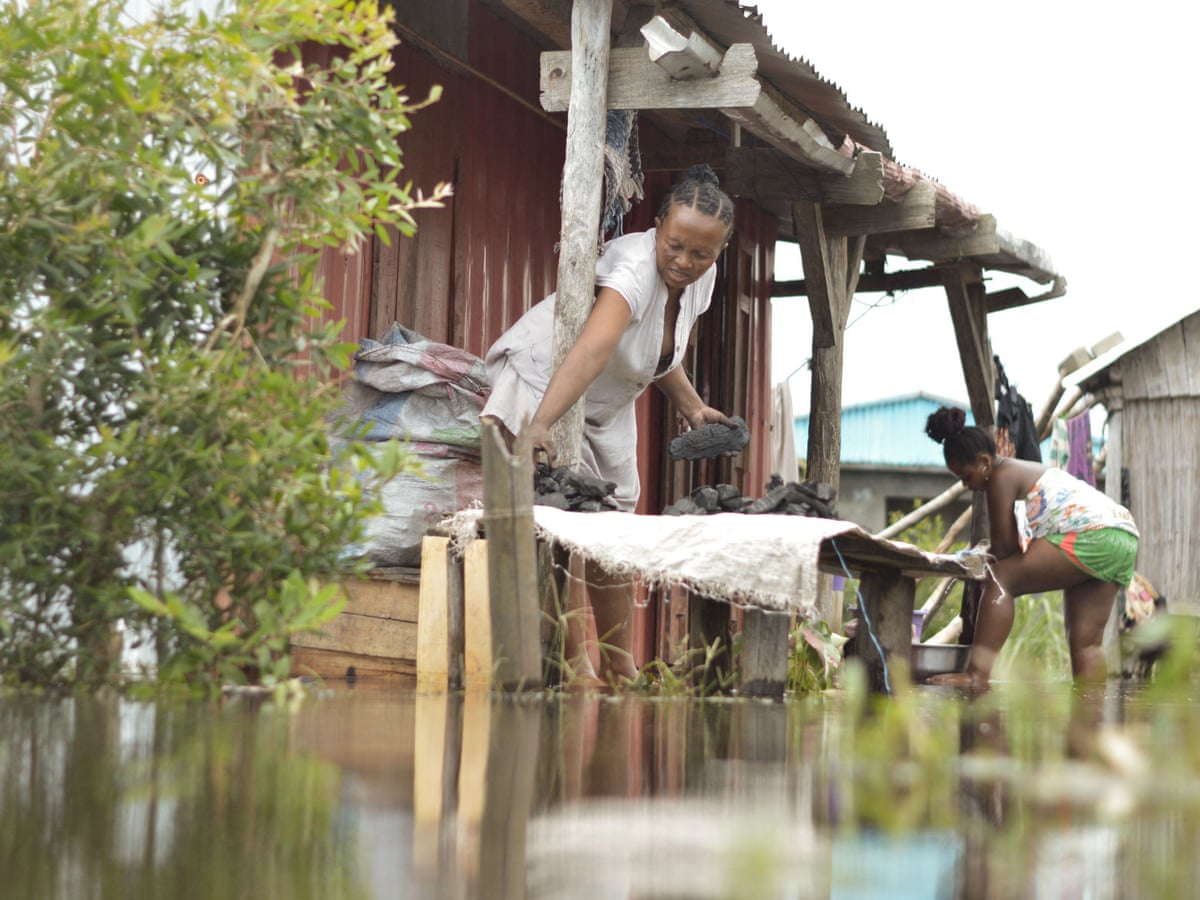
point(938, 659)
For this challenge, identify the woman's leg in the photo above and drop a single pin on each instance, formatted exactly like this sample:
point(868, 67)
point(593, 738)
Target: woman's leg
point(1042, 567)
point(1086, 608)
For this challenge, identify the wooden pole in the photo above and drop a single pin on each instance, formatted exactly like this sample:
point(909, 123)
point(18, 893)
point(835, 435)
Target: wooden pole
point(940, 502)
point(582, 188)
point(511, 562)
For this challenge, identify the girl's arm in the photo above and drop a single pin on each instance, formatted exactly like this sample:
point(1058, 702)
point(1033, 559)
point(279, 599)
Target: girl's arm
point(585, 360)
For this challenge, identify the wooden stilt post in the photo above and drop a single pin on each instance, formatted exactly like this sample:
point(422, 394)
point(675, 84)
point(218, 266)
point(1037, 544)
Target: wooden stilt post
point(888, 603)
point(512, 571)
point(764, 657)
point(582, 190)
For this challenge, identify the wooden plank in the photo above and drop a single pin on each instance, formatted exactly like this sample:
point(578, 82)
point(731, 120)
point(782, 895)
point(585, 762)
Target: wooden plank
point(938, 247)
point(914, 211)
point(477, 616)
point(364, 636)
point(433, 643)
point(335, 663)
point(1173, 353)
point(582, 183)
point(635, 82)
point(755, 172)
point(786, 127)
point(1149, 357)
point(682, 56)
point(764, 654)
point(1191, 354)
point(385, 599)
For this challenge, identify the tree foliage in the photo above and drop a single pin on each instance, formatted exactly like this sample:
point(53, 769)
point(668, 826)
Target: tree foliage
point(167, 372)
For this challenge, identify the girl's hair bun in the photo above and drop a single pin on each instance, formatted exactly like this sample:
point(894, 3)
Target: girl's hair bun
point(946, 423)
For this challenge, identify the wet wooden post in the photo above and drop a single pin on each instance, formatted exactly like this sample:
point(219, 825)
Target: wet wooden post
point(887, 599)
point(764, 657)
point(512, 568)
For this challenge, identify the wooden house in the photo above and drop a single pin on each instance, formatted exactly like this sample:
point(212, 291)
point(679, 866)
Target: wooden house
point(1151, 390)
point(709, 85)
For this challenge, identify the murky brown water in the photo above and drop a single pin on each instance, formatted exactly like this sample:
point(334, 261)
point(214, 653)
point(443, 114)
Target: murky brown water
point(383, 791)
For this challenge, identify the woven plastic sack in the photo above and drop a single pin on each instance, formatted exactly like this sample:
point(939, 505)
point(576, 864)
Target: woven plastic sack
point(427, 395)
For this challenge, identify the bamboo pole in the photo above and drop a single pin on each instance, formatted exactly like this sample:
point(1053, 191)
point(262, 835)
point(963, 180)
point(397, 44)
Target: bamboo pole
point(582, 188)
point(940, 502)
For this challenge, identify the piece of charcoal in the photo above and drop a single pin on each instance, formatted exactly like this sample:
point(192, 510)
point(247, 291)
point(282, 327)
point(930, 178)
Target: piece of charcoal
point(707, 498)
point(730, 498)
point(712, 440)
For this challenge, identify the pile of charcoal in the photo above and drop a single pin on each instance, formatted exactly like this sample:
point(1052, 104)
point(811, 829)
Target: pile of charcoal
point(564, 488)
point(795, 498)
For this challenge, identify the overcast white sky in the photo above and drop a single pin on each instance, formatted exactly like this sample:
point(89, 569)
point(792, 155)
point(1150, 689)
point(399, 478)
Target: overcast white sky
point(1072, 123)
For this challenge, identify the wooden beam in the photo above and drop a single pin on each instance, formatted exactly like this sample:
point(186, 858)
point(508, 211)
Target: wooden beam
point(582, 184)
point(914, 211)
point(766, 172)
point(964, 290)
point(933, 245)
point(637, 83)
point(814, 254)
point(868, 283)
point(634, 82)
point(1014, 297)
point(682, 56)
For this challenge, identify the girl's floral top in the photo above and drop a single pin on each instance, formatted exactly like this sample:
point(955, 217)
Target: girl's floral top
point(1061, 503)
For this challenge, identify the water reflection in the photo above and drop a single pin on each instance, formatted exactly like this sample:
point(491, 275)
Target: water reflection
point(1035, 790)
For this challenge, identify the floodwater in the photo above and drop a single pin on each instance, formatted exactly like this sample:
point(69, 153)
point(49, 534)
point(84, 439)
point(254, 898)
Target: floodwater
point(381, 791)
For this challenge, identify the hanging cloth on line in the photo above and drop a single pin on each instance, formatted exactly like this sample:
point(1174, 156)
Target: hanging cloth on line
point(1016, 430)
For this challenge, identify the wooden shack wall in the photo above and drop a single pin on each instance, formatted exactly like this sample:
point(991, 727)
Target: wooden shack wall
point(1159, 421)
point(1163, 465)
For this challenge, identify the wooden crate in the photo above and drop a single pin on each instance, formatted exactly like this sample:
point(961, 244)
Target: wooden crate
point(375, 635)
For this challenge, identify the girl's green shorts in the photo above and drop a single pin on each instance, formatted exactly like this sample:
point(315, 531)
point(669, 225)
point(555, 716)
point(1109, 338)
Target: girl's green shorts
point(1105, 553)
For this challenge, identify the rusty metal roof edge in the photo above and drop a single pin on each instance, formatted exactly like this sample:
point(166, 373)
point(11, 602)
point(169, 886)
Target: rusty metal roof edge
point(731, 22)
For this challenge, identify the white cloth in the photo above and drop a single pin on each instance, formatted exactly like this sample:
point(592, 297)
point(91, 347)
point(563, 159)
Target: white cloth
point(765, 561)
point(783, 435)
point(521, 362)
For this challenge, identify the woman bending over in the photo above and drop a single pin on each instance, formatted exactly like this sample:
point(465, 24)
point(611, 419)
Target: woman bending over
point(1079, 541)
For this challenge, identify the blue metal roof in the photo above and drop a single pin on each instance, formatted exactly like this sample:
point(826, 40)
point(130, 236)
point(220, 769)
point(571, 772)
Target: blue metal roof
point(888, 432)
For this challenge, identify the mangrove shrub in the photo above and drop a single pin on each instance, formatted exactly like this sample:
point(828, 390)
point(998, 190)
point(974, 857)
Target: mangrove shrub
point(167, 362)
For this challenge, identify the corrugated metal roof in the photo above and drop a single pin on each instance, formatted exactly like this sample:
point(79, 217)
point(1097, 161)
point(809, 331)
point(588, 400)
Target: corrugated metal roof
point(888, 432)
point(729, 22)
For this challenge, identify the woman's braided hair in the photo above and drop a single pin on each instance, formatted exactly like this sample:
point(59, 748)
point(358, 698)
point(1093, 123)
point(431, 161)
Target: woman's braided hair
point(700, 189)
